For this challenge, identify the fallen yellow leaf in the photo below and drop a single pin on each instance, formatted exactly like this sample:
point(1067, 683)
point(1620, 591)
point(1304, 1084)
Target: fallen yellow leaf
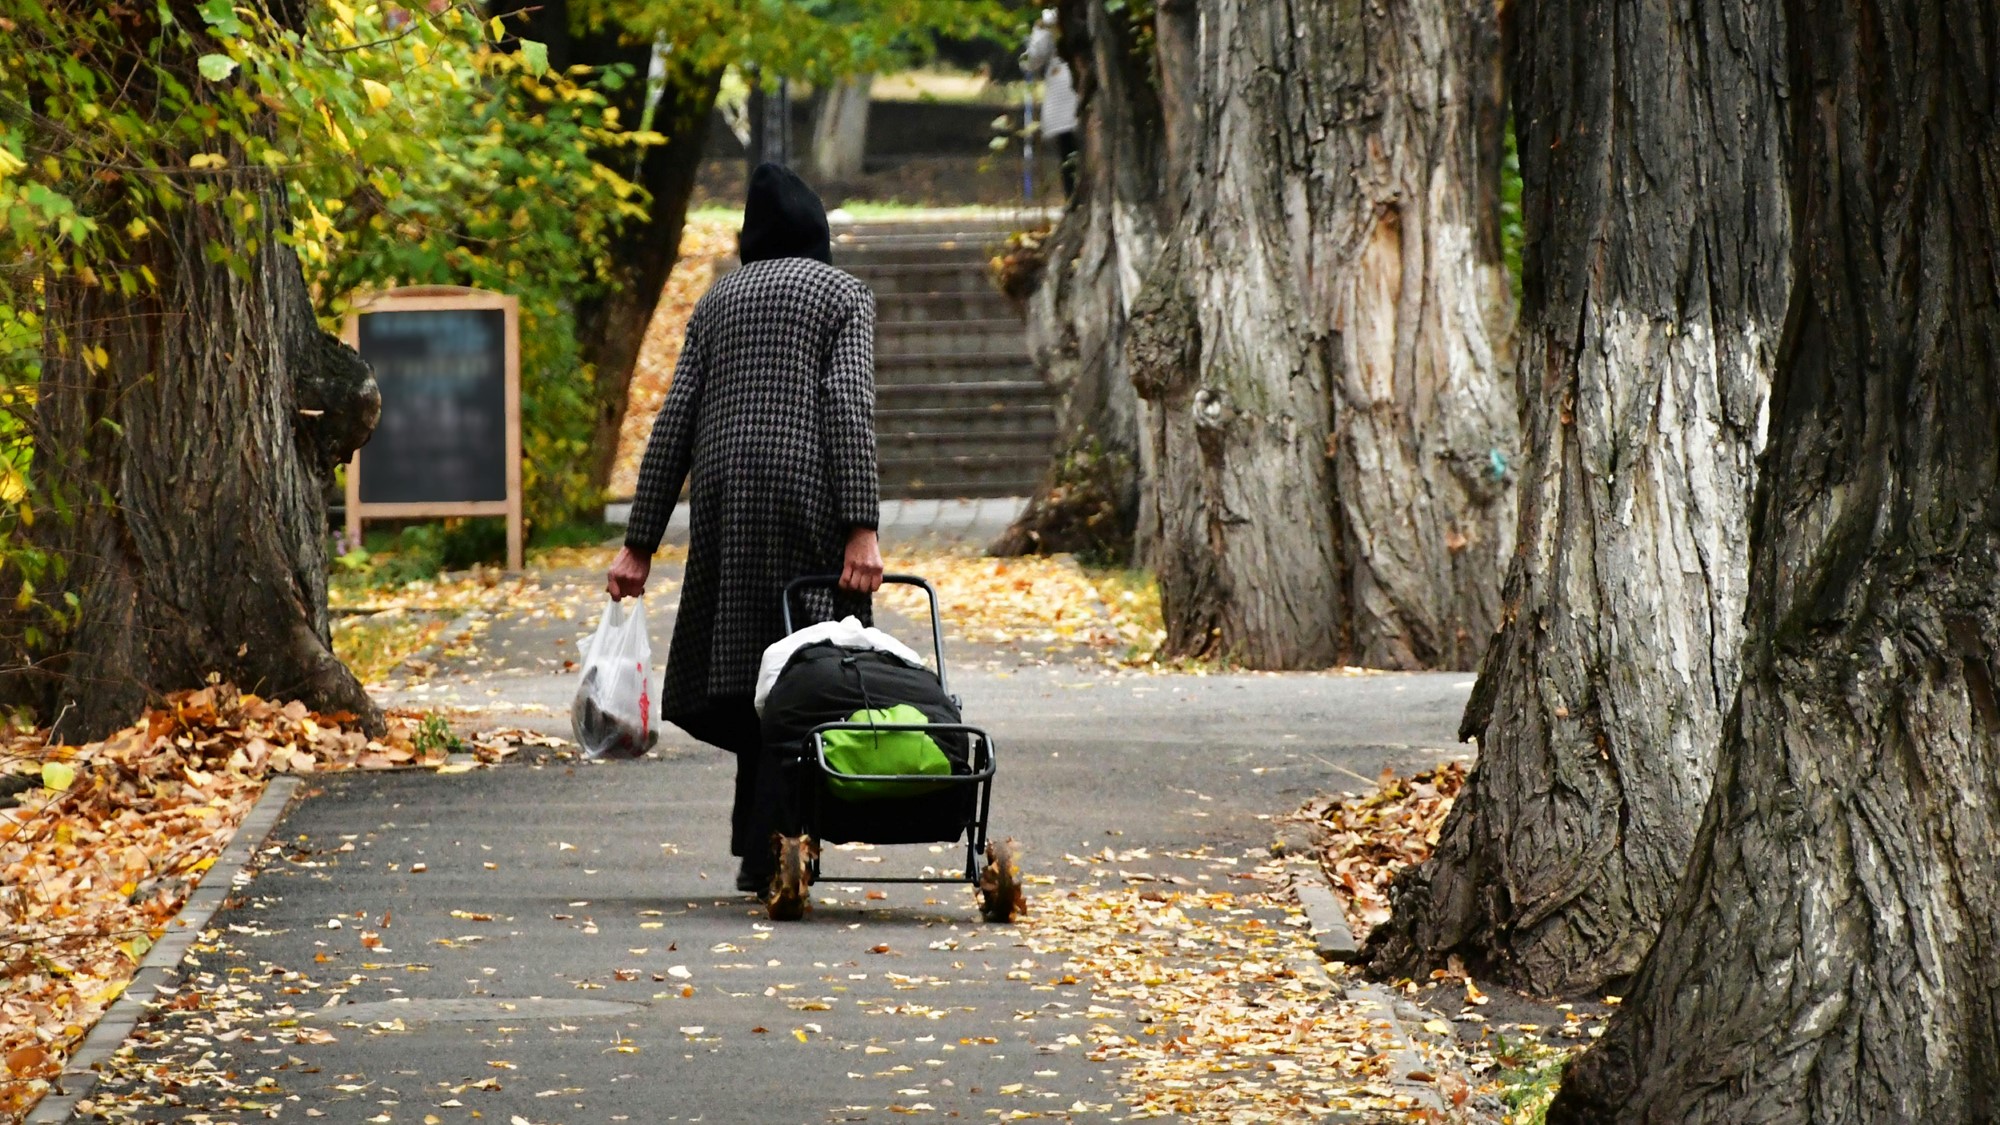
point(58, 776)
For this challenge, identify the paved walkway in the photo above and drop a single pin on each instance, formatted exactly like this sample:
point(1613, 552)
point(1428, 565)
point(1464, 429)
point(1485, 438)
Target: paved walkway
point(560, 942)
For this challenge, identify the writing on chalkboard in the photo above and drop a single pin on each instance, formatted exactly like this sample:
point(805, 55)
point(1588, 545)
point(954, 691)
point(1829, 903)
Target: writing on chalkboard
point(443, 433)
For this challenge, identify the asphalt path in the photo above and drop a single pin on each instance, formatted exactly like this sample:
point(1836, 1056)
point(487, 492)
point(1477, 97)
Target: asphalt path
point(553, 941)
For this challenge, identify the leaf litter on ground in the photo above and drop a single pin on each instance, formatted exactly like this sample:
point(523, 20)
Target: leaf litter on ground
point(381, 632)
point(1365, 840)
point(1513, 1045)
point(1203, 997)
point(106, 840)
point(1046, 600)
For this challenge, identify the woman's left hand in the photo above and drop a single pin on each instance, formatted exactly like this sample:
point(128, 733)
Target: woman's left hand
point(861, 572)
point(627, 577)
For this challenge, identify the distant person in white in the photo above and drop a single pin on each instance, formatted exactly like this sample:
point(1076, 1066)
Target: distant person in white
point(1058, 94)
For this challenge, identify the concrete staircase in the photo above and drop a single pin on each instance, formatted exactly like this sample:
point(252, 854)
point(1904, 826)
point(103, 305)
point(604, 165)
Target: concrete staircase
point(959, 410)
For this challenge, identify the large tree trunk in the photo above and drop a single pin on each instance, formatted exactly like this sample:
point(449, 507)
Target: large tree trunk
point(196, 460)
point(1324, 346)
point(1077, 315)
point(1652, 160)
point(839, 146)
point(1831, 956)
point(611, 326)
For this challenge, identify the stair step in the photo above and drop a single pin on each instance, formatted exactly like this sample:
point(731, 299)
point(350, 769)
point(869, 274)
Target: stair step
point(1007, 346)
point(988, 396)
point(998, 353)
point(967, 491)
point(992, 417)
point(930, 277)
point(971, 255)
point(944, 361)
point(971, 382)
point(986, 478)
point(1009, 327)
point(982, 440)
point(947, 308)
point(967, 449)
point(999, 430)
point(944, 224)
point(968, 390)
point(963, 457)
point(984, 242)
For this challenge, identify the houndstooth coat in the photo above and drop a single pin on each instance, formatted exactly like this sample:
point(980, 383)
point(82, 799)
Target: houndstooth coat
point(772, 416)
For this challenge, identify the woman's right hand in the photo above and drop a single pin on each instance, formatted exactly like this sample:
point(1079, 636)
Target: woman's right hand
point(861, 570)
point(627, 578)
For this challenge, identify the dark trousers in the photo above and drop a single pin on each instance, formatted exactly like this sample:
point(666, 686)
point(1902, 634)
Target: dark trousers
point(730, 723)
point(1067, 159)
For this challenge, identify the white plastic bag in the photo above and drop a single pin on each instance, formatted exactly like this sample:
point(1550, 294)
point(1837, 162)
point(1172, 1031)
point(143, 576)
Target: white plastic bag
point(612, 713)
point(847, 633)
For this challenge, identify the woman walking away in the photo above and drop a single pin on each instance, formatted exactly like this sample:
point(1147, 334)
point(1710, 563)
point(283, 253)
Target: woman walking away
point(771, 416)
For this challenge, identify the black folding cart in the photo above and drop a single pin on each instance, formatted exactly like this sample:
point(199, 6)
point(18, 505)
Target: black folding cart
point(954, 807)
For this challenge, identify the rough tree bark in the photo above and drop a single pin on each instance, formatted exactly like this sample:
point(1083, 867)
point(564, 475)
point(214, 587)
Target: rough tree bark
point(1830, 958)
point(196, 461)
point(1077, 316)
point(1652, 157)
point(1324, 345)
point(611, 326)
point(839, 145)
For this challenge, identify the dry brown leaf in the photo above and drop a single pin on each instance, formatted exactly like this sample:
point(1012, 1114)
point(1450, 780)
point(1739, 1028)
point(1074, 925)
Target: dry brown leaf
point(93, 870)
point(1364, 841)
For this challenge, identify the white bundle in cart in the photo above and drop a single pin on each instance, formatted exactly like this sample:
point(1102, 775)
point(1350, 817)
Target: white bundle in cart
point(612, 714)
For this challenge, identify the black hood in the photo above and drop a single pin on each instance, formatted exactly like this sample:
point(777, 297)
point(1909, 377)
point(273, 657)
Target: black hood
point(783, 218)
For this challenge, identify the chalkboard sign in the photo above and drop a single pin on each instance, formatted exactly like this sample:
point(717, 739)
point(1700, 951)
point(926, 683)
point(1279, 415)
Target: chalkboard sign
point(449, 441)
point(443, 434)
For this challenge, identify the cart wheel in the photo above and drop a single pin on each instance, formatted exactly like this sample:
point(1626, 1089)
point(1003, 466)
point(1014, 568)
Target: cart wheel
point(791, 885)
point(1001, 898)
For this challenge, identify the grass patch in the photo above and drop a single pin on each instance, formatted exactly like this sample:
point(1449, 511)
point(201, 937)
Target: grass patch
point(373, 645)
point(1528, 1077)
point(390, 559)
point(714, 213)
point(588, 533)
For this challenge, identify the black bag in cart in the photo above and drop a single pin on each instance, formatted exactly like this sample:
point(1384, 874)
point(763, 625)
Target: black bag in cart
point(826, 683)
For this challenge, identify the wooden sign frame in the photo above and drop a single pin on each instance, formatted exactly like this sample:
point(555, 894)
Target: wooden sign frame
point(441, 298)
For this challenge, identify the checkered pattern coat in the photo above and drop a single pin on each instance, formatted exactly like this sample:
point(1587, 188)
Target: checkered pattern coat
point(771, 416)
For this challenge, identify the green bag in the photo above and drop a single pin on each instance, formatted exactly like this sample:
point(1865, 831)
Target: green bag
point(885, 751)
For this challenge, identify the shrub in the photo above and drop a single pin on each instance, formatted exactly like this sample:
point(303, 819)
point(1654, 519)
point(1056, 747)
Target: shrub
point(494, 184)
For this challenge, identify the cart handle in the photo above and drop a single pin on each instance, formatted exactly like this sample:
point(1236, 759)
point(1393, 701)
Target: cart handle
point(983, 752)
point(814, 581)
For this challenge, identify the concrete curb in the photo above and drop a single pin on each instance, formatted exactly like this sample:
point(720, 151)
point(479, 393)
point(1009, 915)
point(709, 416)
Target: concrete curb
point(1334, 941)
point(1405, 1061)
point(162, 964)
